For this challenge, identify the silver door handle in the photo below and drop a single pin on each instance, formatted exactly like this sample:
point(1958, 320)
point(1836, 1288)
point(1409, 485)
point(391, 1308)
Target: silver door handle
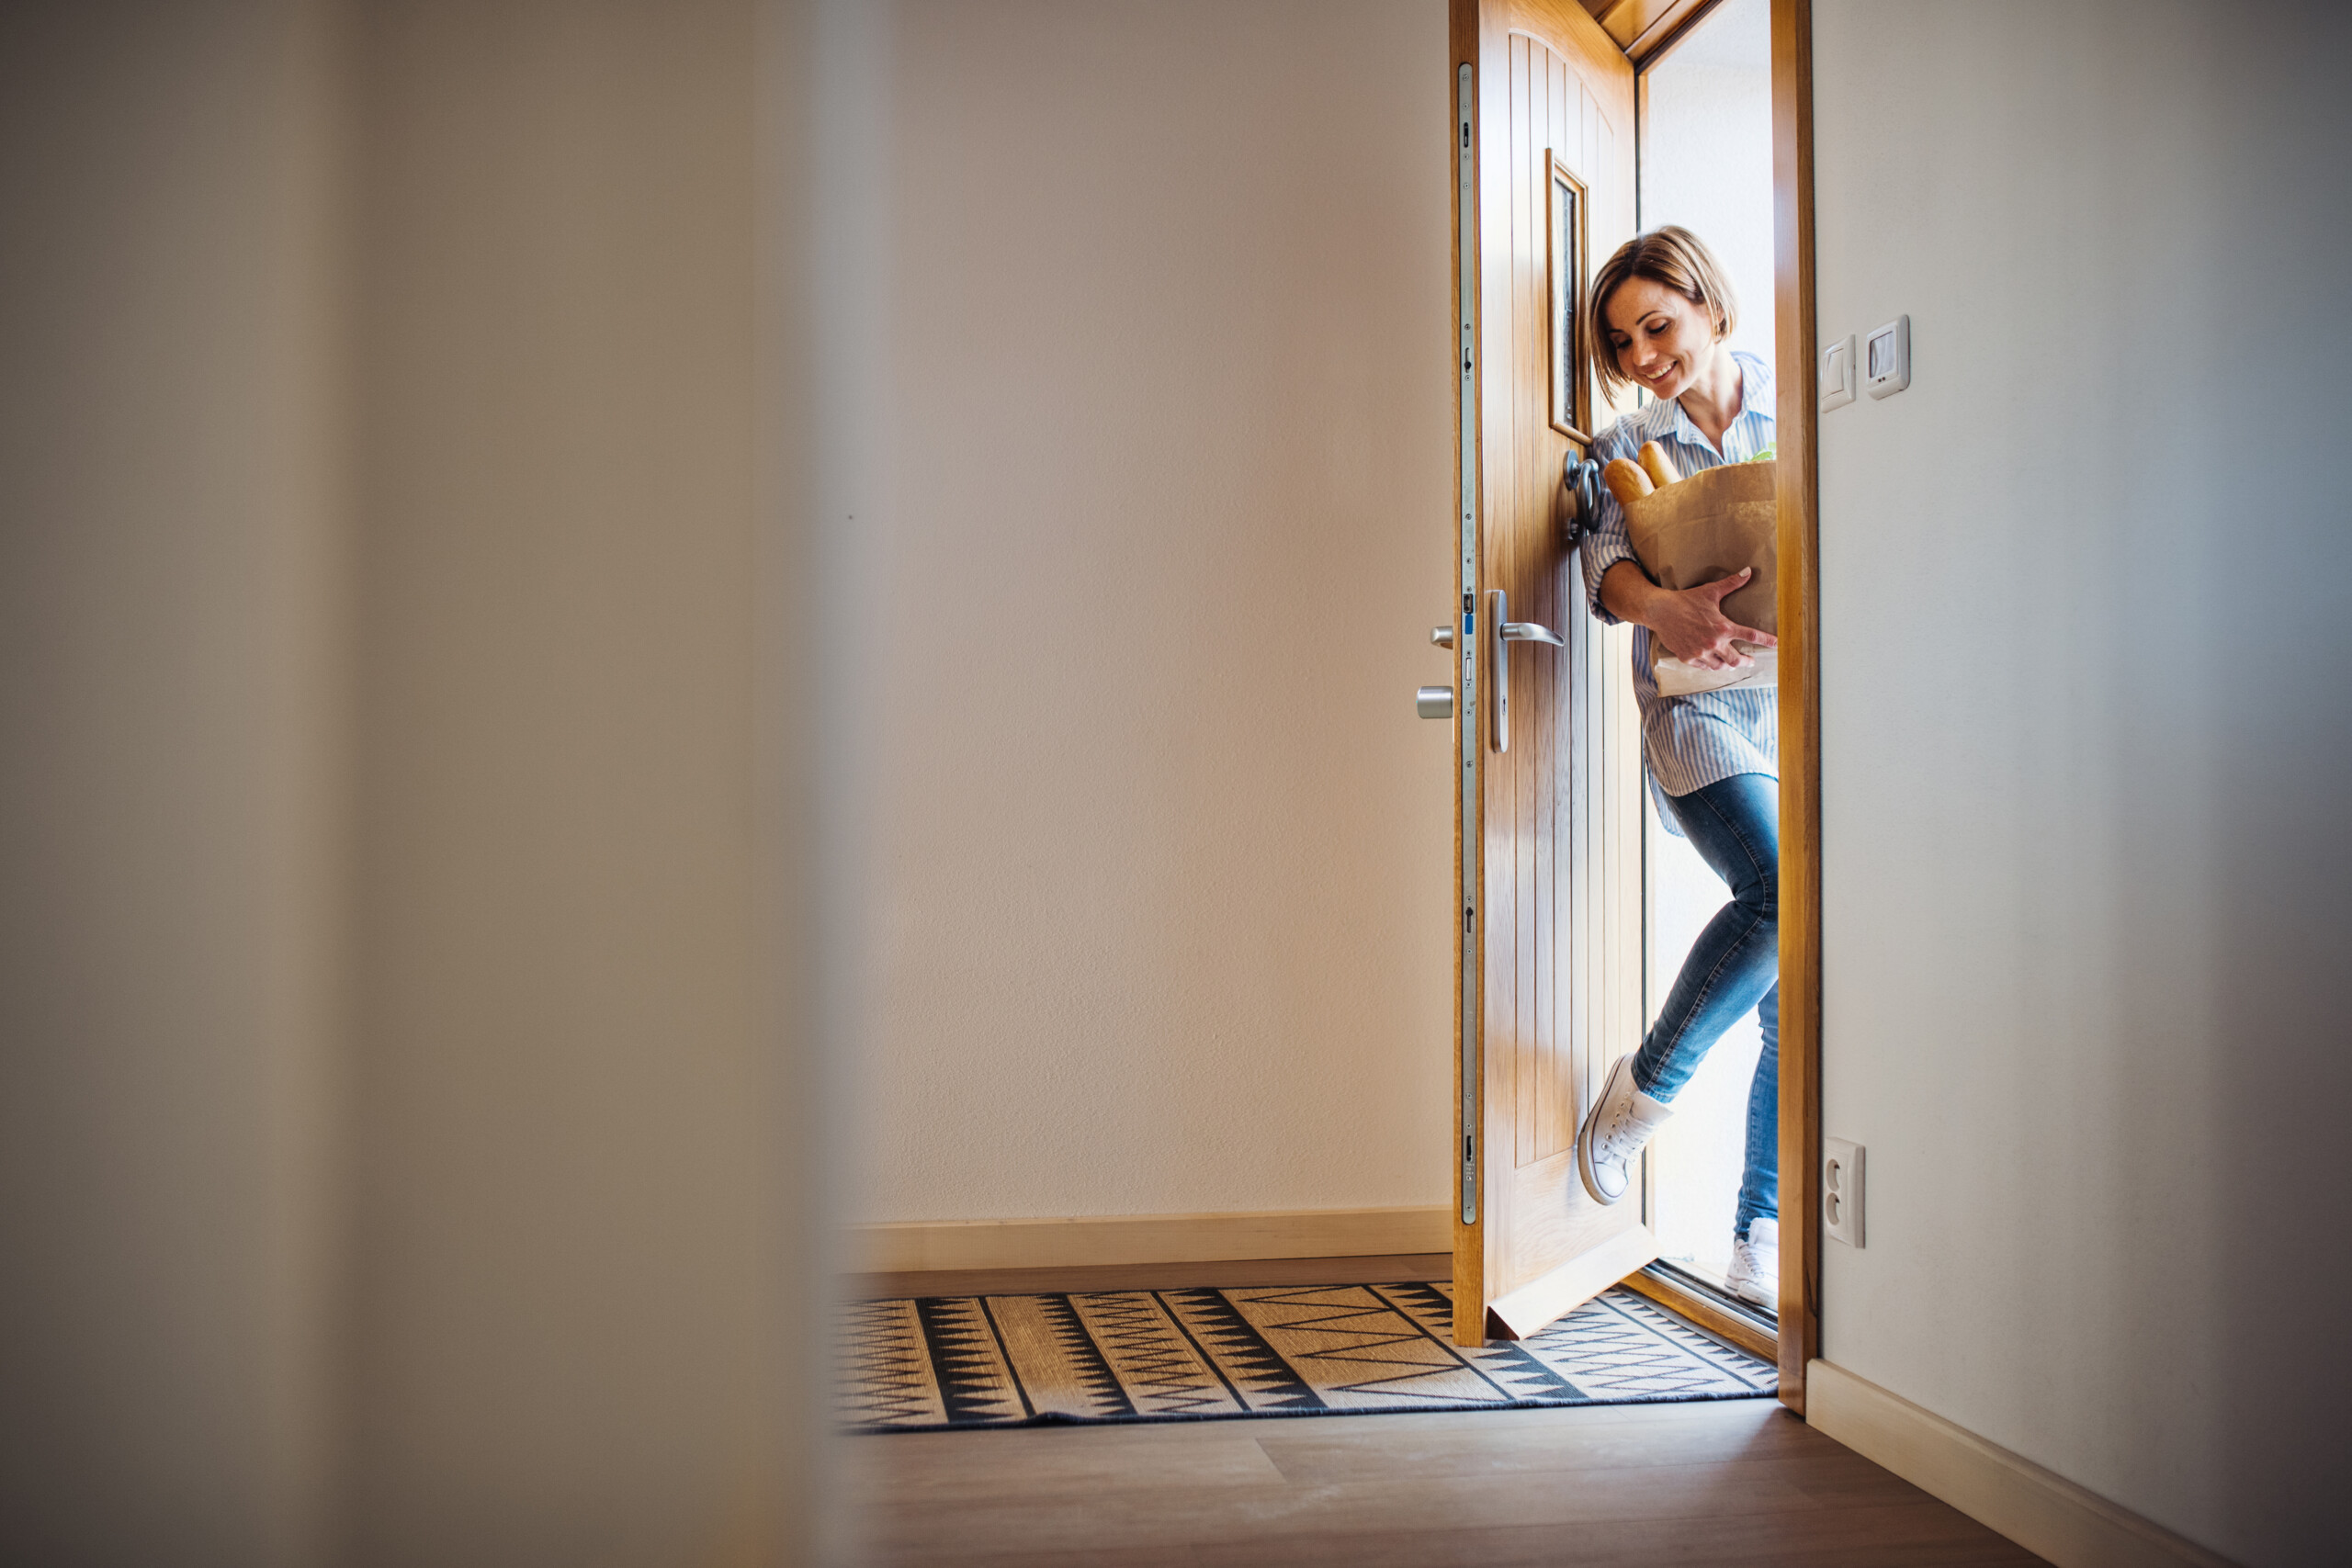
point(1513, 631)
point(1504, 634)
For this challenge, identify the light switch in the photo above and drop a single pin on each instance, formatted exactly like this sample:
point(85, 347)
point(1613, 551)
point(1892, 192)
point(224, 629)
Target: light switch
point(1837, 374)
point(1890, 358)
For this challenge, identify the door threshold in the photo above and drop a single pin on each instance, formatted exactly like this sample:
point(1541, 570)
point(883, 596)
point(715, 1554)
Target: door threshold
point(1715, 1312)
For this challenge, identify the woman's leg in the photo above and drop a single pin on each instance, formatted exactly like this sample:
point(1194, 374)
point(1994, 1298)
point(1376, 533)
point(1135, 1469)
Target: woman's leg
point(1734, 824)
point(1760, 1190)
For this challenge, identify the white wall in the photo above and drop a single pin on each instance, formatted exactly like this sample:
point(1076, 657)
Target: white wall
point(2086, 729)
point(1157, 850)
point(406, 1137)
point(169, 820)
point(579, 1146)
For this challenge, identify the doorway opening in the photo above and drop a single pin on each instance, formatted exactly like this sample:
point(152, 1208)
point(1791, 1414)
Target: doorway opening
point(1703, 161)
point(1559, 931)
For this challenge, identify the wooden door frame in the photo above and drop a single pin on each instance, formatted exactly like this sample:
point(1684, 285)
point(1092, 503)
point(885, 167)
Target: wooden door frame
point(1799, 604)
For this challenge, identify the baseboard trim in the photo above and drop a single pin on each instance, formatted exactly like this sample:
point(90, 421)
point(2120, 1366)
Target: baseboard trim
point(923, 1246)
point(2041, 1511)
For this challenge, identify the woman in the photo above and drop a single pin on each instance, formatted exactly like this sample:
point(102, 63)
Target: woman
point(1661, 310)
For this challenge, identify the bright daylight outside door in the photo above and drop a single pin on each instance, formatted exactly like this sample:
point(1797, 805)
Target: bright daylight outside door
point(1548, 830)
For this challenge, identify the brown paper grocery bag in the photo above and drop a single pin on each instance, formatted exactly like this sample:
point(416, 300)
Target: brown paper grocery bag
point(1703, 528)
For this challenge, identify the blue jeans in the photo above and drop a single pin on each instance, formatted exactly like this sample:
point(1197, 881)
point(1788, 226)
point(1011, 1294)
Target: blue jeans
point(1734, 824)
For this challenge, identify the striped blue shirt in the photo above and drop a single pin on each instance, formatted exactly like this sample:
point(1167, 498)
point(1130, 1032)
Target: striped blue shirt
point(1689, 743)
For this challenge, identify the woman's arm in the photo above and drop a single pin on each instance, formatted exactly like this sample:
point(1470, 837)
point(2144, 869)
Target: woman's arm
point(1690, 622)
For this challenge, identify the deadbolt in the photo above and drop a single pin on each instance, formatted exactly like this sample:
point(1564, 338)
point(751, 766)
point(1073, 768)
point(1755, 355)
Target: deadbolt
point(1434, 701)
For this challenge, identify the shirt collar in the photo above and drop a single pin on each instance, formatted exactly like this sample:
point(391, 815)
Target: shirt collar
point(1754, 398)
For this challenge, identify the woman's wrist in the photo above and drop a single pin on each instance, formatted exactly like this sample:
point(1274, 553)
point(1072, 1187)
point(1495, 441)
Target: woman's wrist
point(1627, 593)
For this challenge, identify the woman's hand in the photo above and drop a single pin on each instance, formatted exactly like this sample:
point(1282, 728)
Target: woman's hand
point(1693, 626)
point(1689, 622)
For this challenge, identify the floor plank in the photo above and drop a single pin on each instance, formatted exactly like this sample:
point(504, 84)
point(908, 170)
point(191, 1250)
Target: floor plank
point(1737, 1481)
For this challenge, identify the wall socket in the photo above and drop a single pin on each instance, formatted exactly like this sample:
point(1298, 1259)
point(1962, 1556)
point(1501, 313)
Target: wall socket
point(1841, 1189)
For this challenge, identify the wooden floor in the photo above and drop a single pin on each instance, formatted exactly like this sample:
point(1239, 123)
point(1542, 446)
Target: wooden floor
point(1737, 1482)
point(1734, 1482)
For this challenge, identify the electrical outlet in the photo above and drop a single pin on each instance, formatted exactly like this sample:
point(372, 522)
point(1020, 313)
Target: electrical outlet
point(1841, 1189)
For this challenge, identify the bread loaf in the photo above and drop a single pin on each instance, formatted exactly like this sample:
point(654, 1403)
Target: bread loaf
point(1625, 480)
point(1657, 465)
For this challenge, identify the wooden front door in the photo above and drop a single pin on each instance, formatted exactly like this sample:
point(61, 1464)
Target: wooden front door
point(1548, 848)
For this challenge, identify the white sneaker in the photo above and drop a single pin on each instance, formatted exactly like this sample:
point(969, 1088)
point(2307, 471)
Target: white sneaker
point(1611, 1138)
point(1756, 1265)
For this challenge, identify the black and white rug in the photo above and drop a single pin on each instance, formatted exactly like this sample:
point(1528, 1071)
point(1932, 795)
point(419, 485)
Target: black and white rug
point(925, 1364)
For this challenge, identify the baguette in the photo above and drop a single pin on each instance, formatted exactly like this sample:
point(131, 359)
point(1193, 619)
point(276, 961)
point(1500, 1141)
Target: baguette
point(1657, 465)
point(1625, 480)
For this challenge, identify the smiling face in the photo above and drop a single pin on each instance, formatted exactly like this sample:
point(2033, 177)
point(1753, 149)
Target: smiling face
point(1665, 341)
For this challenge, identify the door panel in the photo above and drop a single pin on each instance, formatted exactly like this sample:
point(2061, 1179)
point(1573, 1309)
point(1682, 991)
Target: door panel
point(1550, 958)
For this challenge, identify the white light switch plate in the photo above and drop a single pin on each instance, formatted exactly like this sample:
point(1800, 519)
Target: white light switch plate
point(1841, 1191)
point(1838, 373)
point(1888, 370)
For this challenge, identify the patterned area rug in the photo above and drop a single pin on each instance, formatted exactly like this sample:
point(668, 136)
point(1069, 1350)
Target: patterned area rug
point(944, 1361)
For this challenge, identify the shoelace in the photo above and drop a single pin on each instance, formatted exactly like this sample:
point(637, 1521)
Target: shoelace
point(1620, 1141)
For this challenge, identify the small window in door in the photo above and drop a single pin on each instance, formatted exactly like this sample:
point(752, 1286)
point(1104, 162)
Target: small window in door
point(1569, 413)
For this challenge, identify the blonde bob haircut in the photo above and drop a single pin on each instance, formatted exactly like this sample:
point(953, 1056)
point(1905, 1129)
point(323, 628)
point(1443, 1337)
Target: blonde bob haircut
point(1671, 256)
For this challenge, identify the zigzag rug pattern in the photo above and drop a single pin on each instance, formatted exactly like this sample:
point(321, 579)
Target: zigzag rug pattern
point(950, 1362)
